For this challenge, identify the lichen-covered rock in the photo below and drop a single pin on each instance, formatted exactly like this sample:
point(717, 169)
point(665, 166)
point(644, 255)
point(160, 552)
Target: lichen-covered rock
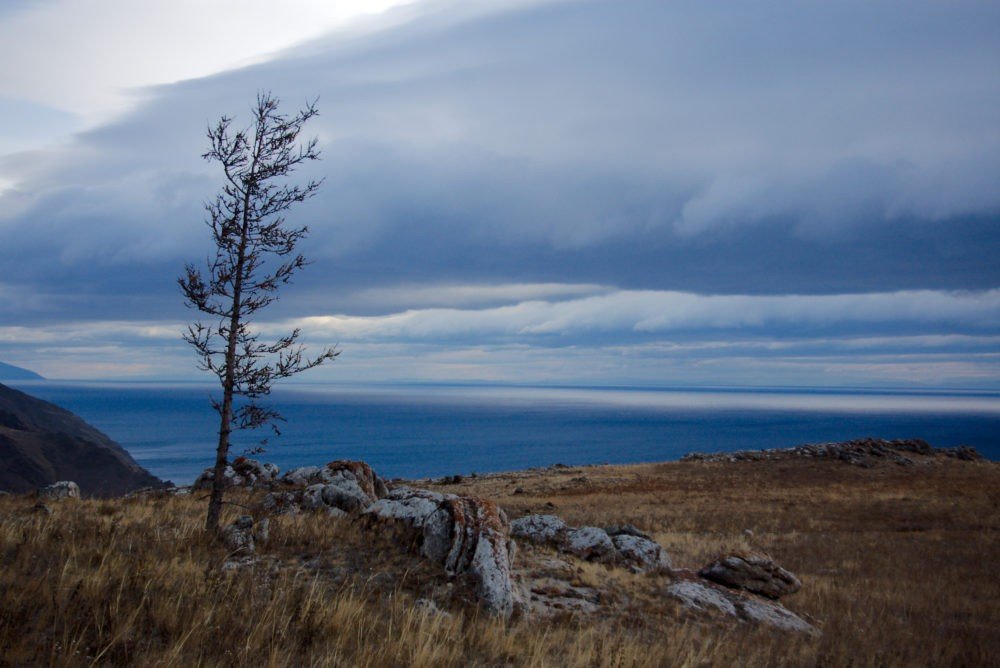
point(341, 485)
point(540, 529)
point(64, 489)
point(470, 537)
point(639, 553)
point(590, 543)
point(753, 572)
point(371, 485)
point(477, 544)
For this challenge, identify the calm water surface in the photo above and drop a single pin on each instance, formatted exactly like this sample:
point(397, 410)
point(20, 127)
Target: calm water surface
point(418, 431)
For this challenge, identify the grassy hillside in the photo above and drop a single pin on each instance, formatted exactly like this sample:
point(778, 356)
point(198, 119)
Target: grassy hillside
point(897, 566)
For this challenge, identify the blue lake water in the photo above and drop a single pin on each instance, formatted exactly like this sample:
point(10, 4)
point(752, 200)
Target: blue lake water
point(422, 431)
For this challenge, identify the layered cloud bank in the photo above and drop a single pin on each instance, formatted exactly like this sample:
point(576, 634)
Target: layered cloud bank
point(627, 191)
point(609, 336)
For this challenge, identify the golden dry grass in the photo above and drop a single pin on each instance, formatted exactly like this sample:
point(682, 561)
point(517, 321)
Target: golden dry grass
point(896, 564)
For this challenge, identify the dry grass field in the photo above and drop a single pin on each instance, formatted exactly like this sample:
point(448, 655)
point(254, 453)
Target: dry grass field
point(897, 565)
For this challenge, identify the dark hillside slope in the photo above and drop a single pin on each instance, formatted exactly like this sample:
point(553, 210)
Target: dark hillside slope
point(41, 443)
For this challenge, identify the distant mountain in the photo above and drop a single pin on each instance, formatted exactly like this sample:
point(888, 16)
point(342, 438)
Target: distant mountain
point(41, 443)
point(11, 372)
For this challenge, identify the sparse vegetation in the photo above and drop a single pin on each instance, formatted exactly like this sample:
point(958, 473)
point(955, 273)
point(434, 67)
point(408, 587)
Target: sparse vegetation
point(896, 563)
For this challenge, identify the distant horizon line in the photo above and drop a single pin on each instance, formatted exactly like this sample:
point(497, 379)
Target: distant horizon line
point(346, 384)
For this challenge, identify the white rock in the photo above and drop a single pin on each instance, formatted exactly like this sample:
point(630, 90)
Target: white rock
point(64, 489)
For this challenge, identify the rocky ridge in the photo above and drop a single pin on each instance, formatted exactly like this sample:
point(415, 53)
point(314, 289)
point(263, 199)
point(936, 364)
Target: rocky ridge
point(865, 452)
point(529, 566)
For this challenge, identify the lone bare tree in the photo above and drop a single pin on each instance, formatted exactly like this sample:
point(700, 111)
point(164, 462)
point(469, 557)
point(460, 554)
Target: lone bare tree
point(255, 254)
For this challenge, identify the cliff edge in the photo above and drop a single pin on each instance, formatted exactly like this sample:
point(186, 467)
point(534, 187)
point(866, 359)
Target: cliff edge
point(41, 443)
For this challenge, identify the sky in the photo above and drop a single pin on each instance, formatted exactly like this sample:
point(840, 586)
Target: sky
point(562, 192)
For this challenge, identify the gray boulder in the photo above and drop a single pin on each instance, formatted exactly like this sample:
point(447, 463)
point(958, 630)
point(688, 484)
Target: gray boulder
point(625, 544)
point(406, 505)
point(539, 529)
point(346, 494)
point(706, 596)
point(64, 489)
point(639, 553)
point(590, 543)
point(343, 485)
point(753, 572)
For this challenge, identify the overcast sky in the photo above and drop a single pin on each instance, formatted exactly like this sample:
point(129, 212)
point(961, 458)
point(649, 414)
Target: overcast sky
point(546, 191)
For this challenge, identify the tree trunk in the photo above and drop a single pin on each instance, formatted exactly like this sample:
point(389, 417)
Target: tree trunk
point(226, 421)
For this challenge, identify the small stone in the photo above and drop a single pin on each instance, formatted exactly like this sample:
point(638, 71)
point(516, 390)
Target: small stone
point(238, 536)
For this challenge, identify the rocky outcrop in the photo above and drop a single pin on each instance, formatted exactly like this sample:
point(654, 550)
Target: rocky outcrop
point(342, 486)
point(63, 489)
point(41, 443)
point(242, 472)
point(753, 572)
point(622, 545)
point(865, 452)
point(359, 473)
point(468, 536)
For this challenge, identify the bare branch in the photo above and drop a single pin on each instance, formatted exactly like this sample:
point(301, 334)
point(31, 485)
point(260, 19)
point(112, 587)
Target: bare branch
point(255, 254)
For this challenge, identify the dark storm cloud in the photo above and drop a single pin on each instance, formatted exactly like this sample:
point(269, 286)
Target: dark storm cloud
point(752, 148)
